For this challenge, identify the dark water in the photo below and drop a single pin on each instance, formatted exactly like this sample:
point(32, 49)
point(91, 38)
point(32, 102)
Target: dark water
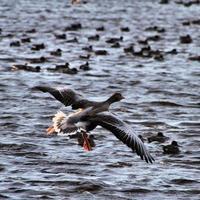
point(160, 96)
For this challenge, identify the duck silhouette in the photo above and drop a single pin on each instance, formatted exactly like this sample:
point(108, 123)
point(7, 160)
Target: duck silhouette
point(172, 148)
point(159, 138)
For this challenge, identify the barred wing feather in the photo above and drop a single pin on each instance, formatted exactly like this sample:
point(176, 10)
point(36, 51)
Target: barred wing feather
point(124, 133)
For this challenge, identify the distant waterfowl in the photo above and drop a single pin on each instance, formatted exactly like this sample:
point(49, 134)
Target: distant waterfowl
point(143, 41)
point(164, 1)
point(186, 39)
point(194, 58)
point(63, 69)
point(33, 30)
point(158, 57)
point(41, 59)
point(100, 28)
point(25, 68)
point(37, 47)
point(61, 36)
point(172, 148)
point(173, 51)
point(89, 48)
point(115, 45)
point(114, 39)
point(73, 40)
point(154, 38)
point(57, 52)
point(94, 37)
point(125, 29)
point(86, 120)
point(101, 52)
point(159, 138)
point(155, 28)
point(85, 67)
point(26, 40)
point(15, 44)
point(86, 57)
point(73, 27)
point(194, 22)
point(129, 49)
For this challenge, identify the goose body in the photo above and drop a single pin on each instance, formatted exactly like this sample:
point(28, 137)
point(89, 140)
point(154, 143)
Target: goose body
point(71, 98)
point(85, 122)
point(90, 115)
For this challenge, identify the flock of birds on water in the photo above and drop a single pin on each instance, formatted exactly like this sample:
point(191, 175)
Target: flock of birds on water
point(90, 114)
point(142, 48)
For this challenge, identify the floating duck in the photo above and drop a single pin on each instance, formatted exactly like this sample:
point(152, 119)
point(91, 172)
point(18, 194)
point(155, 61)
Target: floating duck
point(172, 148)
point(86, 57)
point(73, 27)
point(89, 48)
point(186, 39)
point(15, 44)
point(26, 40)
point(114, 39)
point(94, 37)
point(57, 52)
point(115, 45)
point(159, 138)
point(101, 52)
point(25, 68)
point(37, 47)
point(100, 28)
point(85, 66)
point(61, 36)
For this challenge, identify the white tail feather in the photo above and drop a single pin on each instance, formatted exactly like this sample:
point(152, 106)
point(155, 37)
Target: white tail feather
point(58, 120)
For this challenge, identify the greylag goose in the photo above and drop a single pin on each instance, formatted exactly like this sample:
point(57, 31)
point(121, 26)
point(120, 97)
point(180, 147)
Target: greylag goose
point(85, 122)
point(71, 98)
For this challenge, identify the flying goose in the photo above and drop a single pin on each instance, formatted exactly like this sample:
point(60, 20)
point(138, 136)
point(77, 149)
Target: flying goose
point(85, 122)
point(71, 98)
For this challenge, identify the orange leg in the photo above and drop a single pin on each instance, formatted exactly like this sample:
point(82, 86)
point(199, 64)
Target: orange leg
point(86, 142)
point(50, 130)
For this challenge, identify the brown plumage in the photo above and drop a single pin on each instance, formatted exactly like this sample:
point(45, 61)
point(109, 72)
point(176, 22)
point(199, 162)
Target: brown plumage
point(71, 98)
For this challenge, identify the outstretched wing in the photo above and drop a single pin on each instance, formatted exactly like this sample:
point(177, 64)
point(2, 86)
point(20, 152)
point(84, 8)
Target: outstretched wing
point(65, 95)
point(124, 133)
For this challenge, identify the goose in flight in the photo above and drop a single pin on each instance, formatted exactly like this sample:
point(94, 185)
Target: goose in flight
point(85, 122)
point(71, 98)
point(90, 115)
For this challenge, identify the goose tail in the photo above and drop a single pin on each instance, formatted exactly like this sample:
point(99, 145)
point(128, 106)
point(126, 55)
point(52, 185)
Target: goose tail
point(58, 120)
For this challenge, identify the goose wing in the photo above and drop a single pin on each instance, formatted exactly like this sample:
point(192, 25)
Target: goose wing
point(124, 133)
point(66, 96)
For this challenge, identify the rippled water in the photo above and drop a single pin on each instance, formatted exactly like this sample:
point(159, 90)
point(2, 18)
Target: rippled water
point(160, 96)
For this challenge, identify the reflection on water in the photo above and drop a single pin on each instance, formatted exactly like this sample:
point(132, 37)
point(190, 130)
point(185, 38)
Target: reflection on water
point(161, 95)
